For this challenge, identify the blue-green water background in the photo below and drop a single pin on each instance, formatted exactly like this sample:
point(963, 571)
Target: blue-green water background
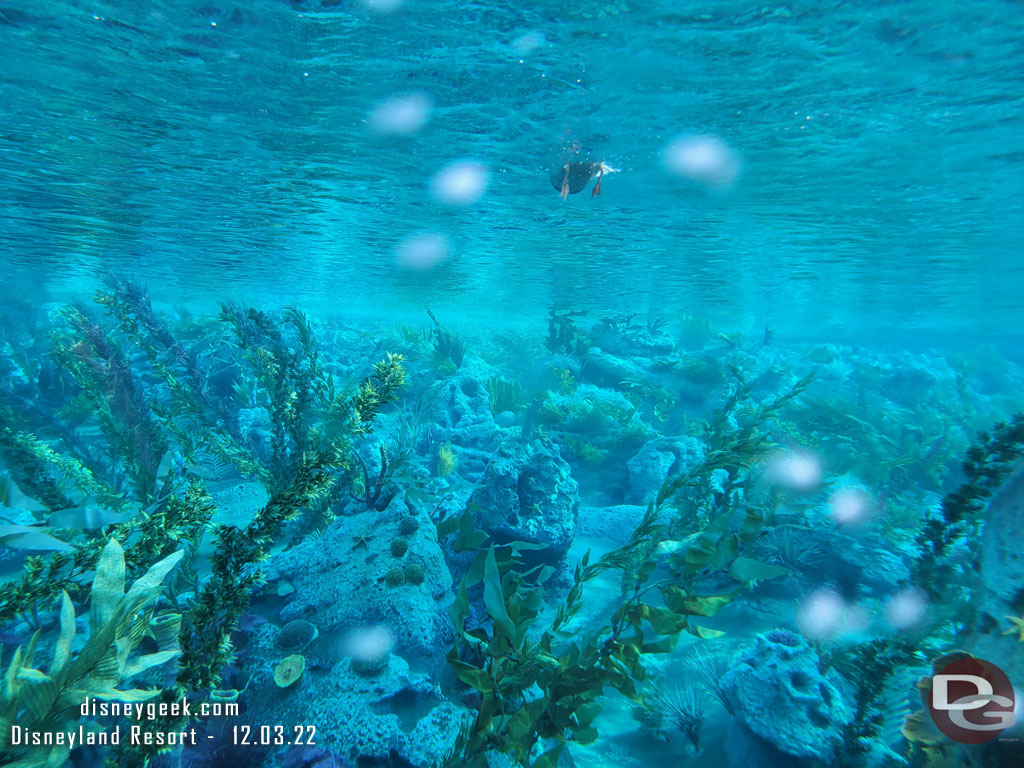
point(218, 150)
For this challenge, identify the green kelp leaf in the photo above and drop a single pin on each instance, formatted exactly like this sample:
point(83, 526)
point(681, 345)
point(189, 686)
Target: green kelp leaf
point(746, 569)
point(449, 525)
point(522, 722)
point(663, 620)
point(149, 583)
point(129, 696)
point(662, 645)
point(720, 524)
point(704, 633)
point(472, 676)
point(62, 647)
point(549, 759)
point(701, 550)
point(677, 600)
point(459, 609)
point(107, 586)
point(494, 599)
point(587, 713)
point(751, 524)
point(728, 547)
point(585, 735)
point(142, 663)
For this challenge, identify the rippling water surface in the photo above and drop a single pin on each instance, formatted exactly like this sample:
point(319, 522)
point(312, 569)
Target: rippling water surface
point(216, 149)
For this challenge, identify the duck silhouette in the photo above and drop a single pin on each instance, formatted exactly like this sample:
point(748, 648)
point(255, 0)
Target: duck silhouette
point(570, 178)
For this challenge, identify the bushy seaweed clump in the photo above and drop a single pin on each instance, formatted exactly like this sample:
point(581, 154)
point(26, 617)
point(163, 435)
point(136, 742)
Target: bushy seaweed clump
point(571, 669)
point(163, 423)
point(986, 466)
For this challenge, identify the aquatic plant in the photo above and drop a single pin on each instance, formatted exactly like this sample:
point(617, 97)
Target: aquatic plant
point(395, 577)
point(709, 668)
point(563, 333)
point(399, 547)
point(181, 519)
point(115, 393)
point(448, 348)
point(570, 669)
point(408, 526)
point(504, 395)
point(785, 546)
point(447, 460)
point(877, 670)
point(224, 595)
point(681, 708)
point(50, 701)
point(369, 490)
point(585, 451)
point(566, 380)
point(987, 464)
point(694, 332)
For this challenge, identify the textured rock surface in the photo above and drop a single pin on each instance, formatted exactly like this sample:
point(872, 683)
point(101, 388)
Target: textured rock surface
point(529, 495)
point(396, 718)
point(779, 695)
point(1001, 572)
point(615, 523)
point(655, 460)
point(339, 581)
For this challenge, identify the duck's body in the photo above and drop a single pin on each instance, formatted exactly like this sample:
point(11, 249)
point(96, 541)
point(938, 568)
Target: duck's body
point(570, 178)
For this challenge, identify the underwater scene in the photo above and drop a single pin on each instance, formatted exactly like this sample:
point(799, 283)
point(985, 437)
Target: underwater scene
point(552, 384)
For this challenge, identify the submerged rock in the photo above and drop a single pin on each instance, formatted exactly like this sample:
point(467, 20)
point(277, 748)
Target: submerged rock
point(529, 495)
point(994, 635)
point(655, 461)
point(395, 717)
point(340, 583)
point(779, 695)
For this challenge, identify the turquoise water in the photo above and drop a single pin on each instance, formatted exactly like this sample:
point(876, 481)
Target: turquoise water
point(204, 144)
point(433, 459)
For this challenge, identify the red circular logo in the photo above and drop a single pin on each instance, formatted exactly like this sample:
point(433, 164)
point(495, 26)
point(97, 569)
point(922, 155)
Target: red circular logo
point(971, 701)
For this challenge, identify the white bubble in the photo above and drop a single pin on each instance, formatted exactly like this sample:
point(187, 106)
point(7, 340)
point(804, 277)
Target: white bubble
point(381, 6)
point(907, 608)
point(527, 43)
point(850, 505)
point(401, 115)
point(461, 183)
point(369, 643)
point(423, 252)
point(799, 470)
point(821, 614)
point(704, 159)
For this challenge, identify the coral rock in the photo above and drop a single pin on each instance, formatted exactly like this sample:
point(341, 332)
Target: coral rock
point(779, 694)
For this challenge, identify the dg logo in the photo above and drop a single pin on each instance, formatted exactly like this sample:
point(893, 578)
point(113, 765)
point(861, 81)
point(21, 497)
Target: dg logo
point(971, 701)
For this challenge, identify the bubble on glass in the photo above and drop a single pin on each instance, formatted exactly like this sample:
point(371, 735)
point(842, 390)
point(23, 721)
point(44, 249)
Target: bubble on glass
point(706, 160)
point(460, 183)
point(381, 6)
point(850, 505)
point(527, 43)
point(907, 608)
point(821, 614)
point(368, 643)
point(424, 251)
point(401, 115)
point(799, 470)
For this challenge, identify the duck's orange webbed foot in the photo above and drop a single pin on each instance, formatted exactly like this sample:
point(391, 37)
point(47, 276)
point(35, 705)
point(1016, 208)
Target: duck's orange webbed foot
point(565, 183)
point(597, 187)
